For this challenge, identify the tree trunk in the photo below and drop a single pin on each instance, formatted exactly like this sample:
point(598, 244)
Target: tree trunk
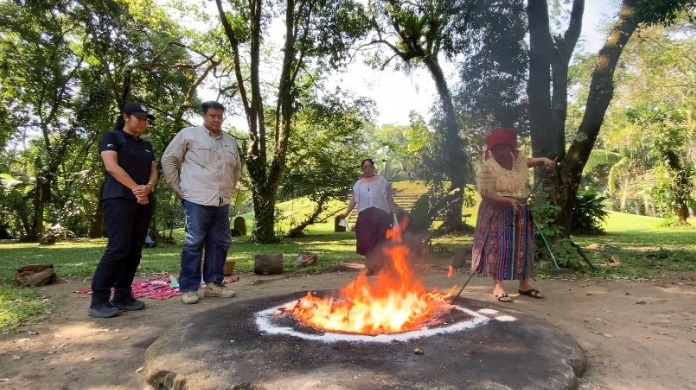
point(265, 175)
point(600, 95)
point(297, 230)
point(623, 205)
point(681, 189)
point(547, 86)
point(456, 161)
point(264, 215)
point(41, 195)
point(560, 60)
point(539, 83)
point(264, 220)
point(96, 228)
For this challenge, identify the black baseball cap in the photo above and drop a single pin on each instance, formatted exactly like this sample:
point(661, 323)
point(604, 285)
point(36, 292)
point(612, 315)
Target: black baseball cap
point(137, 109)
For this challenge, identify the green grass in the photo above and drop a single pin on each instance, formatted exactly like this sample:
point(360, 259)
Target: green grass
point(20, 306)
point(79, 258)
point(644, 245)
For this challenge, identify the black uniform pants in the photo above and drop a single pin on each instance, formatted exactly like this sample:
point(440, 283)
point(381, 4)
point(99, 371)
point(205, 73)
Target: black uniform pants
point(126, 225)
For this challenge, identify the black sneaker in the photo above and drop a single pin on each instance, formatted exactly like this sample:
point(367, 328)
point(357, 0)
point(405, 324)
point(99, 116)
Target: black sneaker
point(128, 303)
point(102, 310)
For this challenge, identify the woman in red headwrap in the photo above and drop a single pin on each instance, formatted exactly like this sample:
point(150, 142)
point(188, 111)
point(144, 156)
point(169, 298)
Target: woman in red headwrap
point(504, 236)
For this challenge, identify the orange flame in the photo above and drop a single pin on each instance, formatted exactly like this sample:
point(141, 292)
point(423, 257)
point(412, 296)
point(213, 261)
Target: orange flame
point(395, 302)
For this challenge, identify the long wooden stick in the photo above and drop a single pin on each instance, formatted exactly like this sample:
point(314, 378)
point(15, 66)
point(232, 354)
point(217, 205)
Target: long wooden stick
point(462, 289)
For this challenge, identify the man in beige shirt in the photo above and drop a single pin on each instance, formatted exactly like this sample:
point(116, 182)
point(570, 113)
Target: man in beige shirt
point(202, 166)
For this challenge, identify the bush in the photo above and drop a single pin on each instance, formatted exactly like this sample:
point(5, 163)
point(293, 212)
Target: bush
point(588, 213)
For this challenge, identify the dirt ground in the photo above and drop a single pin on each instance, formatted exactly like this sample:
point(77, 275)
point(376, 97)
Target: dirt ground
point(638, 334)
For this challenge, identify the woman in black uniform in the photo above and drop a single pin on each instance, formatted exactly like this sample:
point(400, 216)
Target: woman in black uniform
point(130, 176)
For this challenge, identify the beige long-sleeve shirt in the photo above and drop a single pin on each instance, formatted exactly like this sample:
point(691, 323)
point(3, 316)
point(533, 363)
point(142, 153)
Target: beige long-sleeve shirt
point(202, 167)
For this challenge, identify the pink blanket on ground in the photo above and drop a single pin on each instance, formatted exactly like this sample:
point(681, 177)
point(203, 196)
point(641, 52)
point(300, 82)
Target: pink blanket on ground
point(155, 288)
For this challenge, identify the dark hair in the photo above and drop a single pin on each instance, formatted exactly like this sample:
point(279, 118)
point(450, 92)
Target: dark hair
point(365, 160)
point(120, 123)
point(211, 105)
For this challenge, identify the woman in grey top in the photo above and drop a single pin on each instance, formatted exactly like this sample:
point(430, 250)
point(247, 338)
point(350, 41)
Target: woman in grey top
point(373, 195)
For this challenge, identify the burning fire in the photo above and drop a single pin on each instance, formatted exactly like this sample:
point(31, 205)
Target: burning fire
point(395, 302)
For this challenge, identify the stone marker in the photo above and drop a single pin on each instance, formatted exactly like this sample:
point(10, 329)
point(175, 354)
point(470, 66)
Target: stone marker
point(239, 225)
point(337, 225)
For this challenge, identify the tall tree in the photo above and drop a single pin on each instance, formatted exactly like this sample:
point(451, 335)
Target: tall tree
point(318, 35)
point(673, 175)
point(418, 32)
point(547, 86)
point(67, 66)
point(652, 113)
point(320, 166)
point(42, 89)
point(493, 69)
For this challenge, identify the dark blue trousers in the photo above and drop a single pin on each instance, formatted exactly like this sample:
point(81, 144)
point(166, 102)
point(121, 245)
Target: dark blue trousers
point(206, 227)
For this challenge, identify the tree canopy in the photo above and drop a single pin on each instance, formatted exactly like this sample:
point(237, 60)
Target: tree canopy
point(621, 118)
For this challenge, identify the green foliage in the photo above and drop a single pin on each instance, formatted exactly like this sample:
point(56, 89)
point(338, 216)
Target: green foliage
point(666, 191)
point(333, 26)
point(168, 215)
point(389, 151)
point(15, 209)
point(664, 12)
point(418, 33)
point(649, 109)
point(433, 165)
point(547, 234)
point(544, 214)
point(601, 157)
point(420, 219)
point(595, 180)
point(318, 38)
point(65, 68)
point(324, 153)
point(494, 66)
point(588, 213)
point(620, 168)
point(666, 129)
point(397, 150)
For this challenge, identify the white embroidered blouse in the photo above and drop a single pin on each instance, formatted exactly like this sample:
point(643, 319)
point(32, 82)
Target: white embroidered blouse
point(490, 176)
point(372, 193)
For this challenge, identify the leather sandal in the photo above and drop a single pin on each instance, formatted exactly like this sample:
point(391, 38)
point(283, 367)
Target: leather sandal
point(534, 293)
point(504, 297)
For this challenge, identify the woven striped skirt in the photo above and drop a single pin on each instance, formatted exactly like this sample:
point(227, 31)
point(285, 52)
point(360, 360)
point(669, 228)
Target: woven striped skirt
point(503, 242)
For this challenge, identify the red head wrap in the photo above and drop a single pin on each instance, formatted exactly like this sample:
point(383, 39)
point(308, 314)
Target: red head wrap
point(502, 136)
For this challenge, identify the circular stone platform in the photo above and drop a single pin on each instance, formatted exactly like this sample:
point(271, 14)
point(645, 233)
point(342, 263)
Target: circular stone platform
point(242, 346)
